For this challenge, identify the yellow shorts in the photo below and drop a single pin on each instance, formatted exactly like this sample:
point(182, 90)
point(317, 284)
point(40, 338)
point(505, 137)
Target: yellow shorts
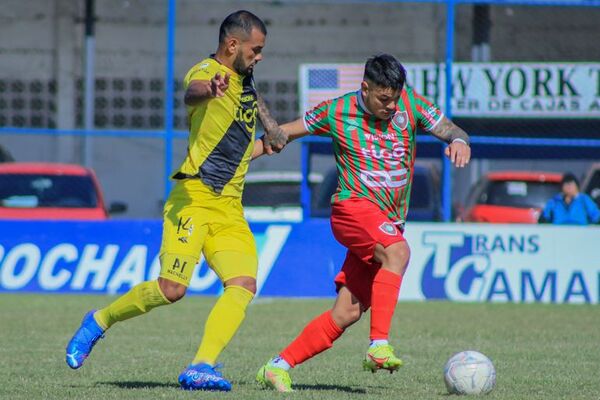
point(198, 220)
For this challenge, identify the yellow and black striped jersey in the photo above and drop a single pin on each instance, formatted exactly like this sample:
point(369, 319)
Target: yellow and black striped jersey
point(222, 131)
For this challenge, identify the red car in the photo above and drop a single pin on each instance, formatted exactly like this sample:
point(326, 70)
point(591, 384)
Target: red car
point(510, 197)
point(51, 191)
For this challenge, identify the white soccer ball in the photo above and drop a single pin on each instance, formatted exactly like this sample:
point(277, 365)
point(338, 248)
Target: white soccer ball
point(469, 372)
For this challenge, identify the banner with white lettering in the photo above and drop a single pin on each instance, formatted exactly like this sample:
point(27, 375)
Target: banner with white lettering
point(479, 90)
point(503, 263)
point(456, 262)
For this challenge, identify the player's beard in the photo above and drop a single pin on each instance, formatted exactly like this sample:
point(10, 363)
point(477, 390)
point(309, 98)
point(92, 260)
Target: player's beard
point(239, 66)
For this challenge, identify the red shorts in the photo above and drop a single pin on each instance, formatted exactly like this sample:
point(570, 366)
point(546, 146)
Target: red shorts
point(359, 225)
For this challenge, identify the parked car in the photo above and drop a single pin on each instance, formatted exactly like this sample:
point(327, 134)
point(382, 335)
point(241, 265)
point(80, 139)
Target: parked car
point(51, 191)
point(425, 201)
point(591, 183)
point(510, 197)
point(275, 196)
point(5, 155)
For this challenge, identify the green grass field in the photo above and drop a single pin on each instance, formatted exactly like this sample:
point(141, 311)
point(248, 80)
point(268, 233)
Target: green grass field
point(540, 351)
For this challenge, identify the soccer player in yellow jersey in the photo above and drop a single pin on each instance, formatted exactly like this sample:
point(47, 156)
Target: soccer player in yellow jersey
point(204, 211)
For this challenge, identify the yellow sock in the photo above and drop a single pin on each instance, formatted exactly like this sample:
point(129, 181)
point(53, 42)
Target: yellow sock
point(139, 300)
point(222, 323)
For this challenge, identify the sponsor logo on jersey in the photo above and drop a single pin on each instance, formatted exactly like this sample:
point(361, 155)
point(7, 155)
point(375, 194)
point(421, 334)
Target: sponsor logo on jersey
point(351, 125)
point(384, 179)
point(393, 156)
point(388, 228)
point(312, 117)
point(431, 114)
point(400, 120)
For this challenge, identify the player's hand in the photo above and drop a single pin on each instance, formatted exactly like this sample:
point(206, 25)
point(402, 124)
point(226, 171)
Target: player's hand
point(458, 153)
point(275, 140)
point(219, 84)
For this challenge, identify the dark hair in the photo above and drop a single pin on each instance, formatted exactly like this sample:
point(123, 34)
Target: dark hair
point(568, 178)
point(385, 71)
point(240, 20)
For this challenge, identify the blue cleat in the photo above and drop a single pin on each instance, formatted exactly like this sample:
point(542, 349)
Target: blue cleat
point(203, 377)
point(82, 342)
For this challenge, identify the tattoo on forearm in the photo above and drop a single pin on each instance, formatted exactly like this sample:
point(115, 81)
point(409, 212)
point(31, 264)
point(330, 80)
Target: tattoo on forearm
point(447, 131)
point(275, 136)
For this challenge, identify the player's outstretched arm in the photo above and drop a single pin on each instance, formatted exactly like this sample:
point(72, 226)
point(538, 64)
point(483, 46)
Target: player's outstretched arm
point(199, 91)
point(293, 130)
point(458, 150)
point(275, 138)
point(259, 148)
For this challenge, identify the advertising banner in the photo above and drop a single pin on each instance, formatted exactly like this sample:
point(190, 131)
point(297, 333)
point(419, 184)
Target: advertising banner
point(480, 90)
point(456, 262)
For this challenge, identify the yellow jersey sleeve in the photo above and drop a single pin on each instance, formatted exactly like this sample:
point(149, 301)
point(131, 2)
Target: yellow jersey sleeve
point(203, 71)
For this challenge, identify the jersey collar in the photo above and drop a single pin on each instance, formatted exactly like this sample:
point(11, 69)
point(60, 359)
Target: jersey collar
point(361, 103)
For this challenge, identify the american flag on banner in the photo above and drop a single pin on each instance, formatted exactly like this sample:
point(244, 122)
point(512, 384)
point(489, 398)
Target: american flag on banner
point(322, 82)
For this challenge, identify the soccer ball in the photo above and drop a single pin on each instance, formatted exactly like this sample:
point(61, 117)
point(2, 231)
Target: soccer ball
point(469, 372)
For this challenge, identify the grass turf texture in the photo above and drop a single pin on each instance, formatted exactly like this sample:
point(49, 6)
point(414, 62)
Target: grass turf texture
point(540, 351)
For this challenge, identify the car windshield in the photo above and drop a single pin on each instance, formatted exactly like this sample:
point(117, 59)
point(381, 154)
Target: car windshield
point(520, 194)
point(271, 194)
point(274, 194)
point(40, 190)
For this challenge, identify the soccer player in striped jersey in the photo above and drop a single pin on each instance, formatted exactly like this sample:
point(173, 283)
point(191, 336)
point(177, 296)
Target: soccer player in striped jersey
point(374, 140)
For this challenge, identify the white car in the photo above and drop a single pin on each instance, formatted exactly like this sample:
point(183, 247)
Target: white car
point(275, 196)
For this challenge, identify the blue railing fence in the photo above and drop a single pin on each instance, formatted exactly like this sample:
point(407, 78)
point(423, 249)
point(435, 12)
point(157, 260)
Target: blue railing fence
point(483, 145)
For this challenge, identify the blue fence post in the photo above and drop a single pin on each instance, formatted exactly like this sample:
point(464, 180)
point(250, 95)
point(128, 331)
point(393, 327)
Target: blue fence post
point(169, 94)
point(446, 166)
point(305, 189)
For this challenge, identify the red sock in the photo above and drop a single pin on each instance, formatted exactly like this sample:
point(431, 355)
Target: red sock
point(316, 337)
point(384, 297)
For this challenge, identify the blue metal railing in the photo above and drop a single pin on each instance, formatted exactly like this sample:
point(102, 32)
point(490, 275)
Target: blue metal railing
point(168, 134)
point(169, 94)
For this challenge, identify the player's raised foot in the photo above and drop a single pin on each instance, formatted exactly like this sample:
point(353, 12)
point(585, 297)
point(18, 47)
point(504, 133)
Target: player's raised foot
point(381, 357)
point(276, 378)
point(81, 344)
point(203, 376)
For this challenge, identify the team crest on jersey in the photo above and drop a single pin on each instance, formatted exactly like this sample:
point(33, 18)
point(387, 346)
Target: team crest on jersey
point(400, 120)
point(388, 228)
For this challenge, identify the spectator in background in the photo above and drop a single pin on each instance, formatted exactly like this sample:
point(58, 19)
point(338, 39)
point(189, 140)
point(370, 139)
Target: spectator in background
point(569, 207)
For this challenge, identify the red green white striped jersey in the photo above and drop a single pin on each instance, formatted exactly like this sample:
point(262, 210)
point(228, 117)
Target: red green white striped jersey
point(374, 157)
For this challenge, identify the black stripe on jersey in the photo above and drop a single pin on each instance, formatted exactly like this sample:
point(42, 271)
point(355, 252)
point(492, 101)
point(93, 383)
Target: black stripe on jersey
point(220, 165)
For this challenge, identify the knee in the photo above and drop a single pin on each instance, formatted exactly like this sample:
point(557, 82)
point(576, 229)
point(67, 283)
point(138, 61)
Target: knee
point(346, 316)
point(394, 257)
point(246, 282)
point(173, 291)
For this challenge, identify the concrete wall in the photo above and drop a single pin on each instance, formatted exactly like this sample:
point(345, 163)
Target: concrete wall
point(43, 40)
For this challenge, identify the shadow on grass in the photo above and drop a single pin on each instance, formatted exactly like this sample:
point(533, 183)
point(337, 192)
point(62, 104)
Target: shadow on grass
point(140, 385)
point(330, 387)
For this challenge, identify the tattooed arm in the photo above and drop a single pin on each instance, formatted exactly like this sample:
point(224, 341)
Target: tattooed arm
point(200, 90)
point(293, 130)
point(458, 150)
point(275, 138)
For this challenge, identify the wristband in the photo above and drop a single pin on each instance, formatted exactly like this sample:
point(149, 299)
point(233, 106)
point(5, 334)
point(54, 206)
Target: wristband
point(460, 140)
